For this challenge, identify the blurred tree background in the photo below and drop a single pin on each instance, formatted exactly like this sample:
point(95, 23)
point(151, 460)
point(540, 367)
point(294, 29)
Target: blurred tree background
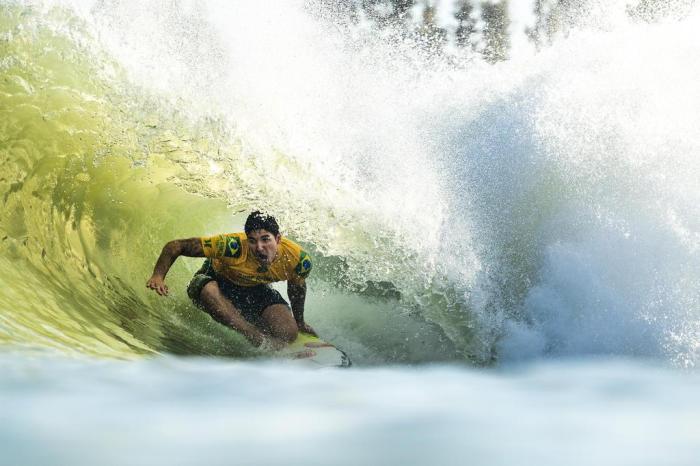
point(557, 17)
point(483, 28)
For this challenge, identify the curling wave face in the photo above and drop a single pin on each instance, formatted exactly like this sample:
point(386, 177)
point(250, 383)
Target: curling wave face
point(100, 171)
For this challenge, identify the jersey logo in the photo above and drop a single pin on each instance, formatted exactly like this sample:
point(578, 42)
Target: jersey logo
point(303, 268)
point(207, 243)
point(220, 244)
point(233, 247)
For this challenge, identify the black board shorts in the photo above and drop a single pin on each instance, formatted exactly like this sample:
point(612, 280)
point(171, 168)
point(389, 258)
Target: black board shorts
point(250, 300)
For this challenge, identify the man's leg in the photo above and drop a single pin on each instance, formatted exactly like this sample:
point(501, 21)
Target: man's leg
point(280, 321)
point(223, 311)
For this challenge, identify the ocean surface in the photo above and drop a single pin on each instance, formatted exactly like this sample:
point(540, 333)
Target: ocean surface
point(509, 253)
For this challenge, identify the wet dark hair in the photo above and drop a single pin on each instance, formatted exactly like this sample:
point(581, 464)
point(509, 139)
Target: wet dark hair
point(260, 221)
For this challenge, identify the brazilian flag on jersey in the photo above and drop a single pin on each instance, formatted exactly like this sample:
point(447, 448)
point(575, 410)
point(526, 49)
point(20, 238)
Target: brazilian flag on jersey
point(232, 260)
point(233, 247)
point(303, 268)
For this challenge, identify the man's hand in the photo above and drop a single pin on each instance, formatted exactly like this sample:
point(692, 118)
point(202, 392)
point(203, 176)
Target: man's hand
point(306, 328)
point(191, 247)
point(157, 284)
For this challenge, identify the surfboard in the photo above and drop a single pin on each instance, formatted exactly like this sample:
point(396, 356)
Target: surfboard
point(315, 352)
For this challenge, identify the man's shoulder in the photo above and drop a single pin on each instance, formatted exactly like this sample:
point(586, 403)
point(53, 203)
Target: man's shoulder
point(290, 245)
point(298, 258)
point(225, 245)
point(240, 235)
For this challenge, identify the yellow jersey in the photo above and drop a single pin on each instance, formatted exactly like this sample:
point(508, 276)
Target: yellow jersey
point(231, 258)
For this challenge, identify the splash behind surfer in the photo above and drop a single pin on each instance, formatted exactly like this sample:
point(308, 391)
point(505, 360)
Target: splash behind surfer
point(233, 283)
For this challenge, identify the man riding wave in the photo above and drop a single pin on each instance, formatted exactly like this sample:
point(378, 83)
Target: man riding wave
point(233, 284)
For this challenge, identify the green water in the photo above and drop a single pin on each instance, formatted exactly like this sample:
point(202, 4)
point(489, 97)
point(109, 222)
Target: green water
point(92, 185)
point(98, 174)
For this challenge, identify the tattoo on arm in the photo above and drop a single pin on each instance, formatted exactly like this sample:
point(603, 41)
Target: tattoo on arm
point(297, 296)
point(191, 247)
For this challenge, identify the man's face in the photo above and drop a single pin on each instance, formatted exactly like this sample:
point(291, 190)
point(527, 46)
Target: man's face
point(263, 245)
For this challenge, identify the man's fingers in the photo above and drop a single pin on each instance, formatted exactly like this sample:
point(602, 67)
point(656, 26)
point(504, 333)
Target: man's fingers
point(306, 328)
point(160, 288)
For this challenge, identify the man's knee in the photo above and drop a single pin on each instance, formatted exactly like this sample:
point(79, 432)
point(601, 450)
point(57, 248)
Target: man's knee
point(289, 333)
point(210, 293)
point(216, 304)
point(209, 289)
point(282, 325)
point(286, 330)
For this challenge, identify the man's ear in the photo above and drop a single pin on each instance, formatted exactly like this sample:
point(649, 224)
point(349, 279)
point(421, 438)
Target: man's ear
point(278, 238)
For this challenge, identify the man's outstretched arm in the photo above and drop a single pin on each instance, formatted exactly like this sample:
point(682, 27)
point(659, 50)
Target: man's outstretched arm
point(191, 247)
point(297, 297)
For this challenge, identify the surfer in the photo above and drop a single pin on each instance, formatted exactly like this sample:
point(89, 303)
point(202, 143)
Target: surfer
point(233, 284)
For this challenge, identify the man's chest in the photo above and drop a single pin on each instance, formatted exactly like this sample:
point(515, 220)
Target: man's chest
point(252, 271)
